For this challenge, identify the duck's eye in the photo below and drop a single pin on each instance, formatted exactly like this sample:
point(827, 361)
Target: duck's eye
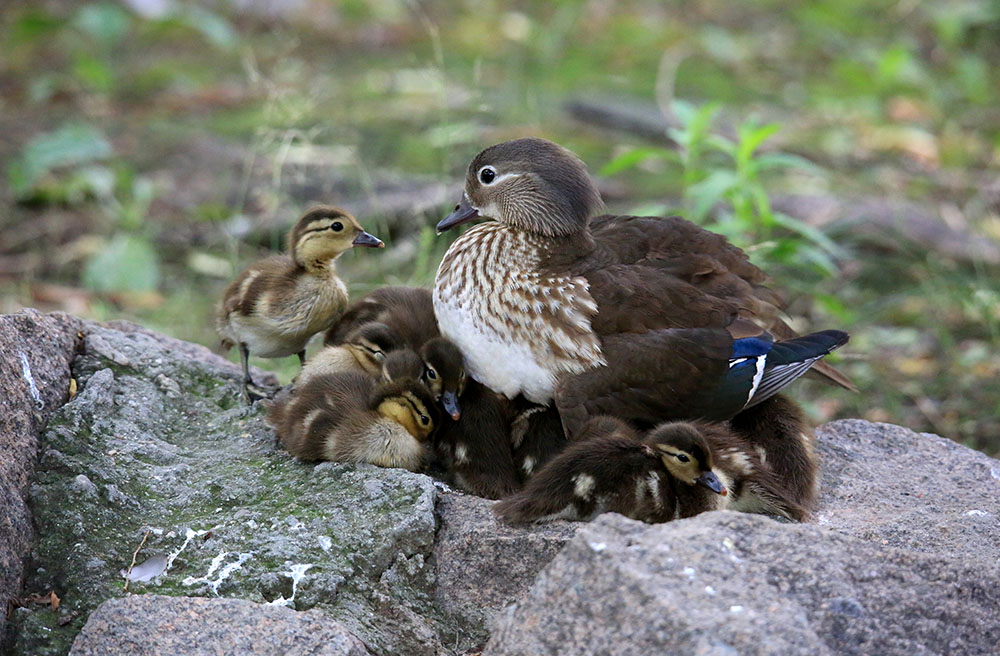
point(431, 374)
point(487, 175)
point(682, 457)
point(337, 226)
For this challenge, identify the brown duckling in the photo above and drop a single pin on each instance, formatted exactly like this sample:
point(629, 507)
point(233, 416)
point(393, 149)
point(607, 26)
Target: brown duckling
point(365, 350)
point(546, 293)
point(349, 417)
point(409, 311)
point(536, 436)
point(472, 441)
point(782, 438)
point(609, 467)
point(278, 303)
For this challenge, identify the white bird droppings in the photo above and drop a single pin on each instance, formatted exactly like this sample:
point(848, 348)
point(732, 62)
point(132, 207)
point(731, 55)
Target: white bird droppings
point(32, 388)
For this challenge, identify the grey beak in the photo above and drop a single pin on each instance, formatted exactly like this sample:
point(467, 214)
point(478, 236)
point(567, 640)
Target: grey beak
point(712, 482)
point(450, 402)
point(366, 239)
point(462, 214)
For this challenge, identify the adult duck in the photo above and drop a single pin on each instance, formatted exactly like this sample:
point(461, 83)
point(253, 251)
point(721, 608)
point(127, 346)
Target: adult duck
point(643, 318)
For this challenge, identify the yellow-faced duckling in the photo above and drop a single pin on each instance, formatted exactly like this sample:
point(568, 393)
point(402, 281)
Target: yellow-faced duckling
point(644, 318)
point(278, 303)
point(350, 417)
point(364, 350)
point(609, 467)
point(408, 311)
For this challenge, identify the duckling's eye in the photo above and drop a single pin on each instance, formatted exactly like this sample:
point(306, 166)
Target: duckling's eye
point(424, 420)
point(431, 374)
point(682, 457)
point(378, 355)
point(337, 226)
point(487, 175)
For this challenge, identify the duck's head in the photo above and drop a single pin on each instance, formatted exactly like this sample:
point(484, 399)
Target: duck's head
point(408, 403)
point(370, 344)
point(444, 373)
point(685, 454)
point(403, 364)
point(530, 184)
point(324, 233)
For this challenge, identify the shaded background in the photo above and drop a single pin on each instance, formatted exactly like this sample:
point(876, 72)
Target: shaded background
point(152, 148)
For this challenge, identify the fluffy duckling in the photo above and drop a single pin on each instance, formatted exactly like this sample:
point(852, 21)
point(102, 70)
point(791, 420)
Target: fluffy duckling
point(350, 417)
point(278, 303)
point(782, 438)
point(365, 350)
point(638, 317)
point(473, 442)
point(409, 311)
point(536, 436)
point(671, 473)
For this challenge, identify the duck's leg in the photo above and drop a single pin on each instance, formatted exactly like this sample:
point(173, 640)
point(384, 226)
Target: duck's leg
point(250, 390)
point(302, 358)
point(786, 442)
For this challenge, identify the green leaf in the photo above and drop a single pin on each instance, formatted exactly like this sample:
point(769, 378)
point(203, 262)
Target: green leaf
point(751, 138)
point(127, 264)
point(93, 73)
point(709, 191)
point(635, 157)
point(69, 145)
point(32, 26)
point(814, 235)
point(105, 21)
point(774, 161)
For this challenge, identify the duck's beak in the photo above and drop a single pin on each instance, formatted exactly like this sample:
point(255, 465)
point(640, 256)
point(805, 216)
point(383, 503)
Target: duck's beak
point(712, 482)
point(463, 213)
point(367, 239)
point(450, 402)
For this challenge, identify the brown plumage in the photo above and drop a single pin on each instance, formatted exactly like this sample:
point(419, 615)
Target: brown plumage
point(349, 417)
point(408, 311)
point(641, 478)
point(278, 303)
point(545, 293)
point(781, 436)
point(536, 436)
point(474, 436)
point(363, 350)
point(609, 467)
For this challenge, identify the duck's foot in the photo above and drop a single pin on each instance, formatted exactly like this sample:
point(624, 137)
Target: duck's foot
point(251, 393)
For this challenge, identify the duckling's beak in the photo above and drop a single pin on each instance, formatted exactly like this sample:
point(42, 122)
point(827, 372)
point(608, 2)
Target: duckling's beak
point(712, 482)
point(464, 212)
point(450, 402)
point(370, 240)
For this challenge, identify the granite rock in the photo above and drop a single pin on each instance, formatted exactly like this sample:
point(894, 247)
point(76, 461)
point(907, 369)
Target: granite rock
point(35, 355)
point(153, 625)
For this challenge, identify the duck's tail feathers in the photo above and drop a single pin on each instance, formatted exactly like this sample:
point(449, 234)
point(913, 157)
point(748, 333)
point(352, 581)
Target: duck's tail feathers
point(791, 358)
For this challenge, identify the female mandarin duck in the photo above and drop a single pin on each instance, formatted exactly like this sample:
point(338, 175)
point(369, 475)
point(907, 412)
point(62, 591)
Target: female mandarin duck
point(643, 318)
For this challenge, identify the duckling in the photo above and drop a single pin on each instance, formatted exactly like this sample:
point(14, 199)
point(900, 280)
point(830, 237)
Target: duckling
point(365, 349)
point(782, 438)
point(606, 314)
point(278, 303)
point(473, 440)
point(350, 417)
point(668, 474)
point(409, 311)
point(536, 435)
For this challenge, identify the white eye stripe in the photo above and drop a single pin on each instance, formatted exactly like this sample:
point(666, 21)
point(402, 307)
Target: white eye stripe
point(498, 178)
